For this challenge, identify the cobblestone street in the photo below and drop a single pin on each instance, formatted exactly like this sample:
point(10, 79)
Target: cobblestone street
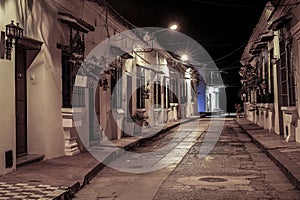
point(150, 100)
point(235, 169)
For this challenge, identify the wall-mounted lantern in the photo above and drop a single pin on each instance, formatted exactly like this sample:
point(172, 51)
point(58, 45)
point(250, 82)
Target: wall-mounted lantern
point(13, 33)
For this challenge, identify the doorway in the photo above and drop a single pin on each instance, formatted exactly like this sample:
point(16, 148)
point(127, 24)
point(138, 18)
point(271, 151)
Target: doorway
point(21, 102)
point(280, 100)
point(26, 51)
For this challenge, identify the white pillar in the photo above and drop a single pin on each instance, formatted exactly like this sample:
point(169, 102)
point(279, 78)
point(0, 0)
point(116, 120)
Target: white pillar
point(71, 146)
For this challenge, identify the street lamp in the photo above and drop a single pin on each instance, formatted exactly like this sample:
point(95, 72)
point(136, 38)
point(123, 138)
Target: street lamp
point(173, 27)
point(184, 58)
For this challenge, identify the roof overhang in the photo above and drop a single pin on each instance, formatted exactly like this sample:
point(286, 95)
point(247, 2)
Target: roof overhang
point(76, 23)
point(280, 22)
point(260, 45)
point(266, 37)
point(257, 47)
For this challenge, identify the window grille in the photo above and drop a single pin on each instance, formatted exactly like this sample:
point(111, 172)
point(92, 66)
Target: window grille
point(287, 80)
point(69, 91)
point(140, 83)
point(116, 86)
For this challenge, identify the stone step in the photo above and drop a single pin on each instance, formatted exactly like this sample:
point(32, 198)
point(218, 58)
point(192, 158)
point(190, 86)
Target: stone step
point(30, 158)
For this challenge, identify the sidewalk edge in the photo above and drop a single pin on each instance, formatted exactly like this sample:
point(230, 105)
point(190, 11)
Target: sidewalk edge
point(287, 166)
point(91, 174)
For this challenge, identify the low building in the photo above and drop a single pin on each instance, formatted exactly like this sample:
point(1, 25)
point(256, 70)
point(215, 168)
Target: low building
point(211, 91)
point(270, 70)
point(45, 104)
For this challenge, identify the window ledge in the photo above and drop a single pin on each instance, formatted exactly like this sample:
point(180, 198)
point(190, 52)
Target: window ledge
point(67, 111)
point(289, 109)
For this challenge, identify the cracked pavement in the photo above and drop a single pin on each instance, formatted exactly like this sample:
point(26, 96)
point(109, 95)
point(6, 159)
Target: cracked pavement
point(235, 169)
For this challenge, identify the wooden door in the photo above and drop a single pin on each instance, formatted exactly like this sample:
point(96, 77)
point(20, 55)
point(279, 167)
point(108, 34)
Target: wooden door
point(21, 103)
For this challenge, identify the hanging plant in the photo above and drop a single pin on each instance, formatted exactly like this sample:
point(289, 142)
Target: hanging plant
point(93, 68)
point(250, 79)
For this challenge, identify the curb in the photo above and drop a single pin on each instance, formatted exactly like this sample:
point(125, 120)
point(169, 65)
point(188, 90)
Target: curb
point(90, 175)
point(288, 167)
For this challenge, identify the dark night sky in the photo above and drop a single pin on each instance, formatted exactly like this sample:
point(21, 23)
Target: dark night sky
point(221, 27)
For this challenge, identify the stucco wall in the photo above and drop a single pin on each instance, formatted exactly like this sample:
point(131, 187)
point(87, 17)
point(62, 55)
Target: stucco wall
point(45, 133)
point(7, 91)
point(7, 116)
point(44, 91)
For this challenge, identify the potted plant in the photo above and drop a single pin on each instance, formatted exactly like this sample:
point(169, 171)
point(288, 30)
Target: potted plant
point(139, 121)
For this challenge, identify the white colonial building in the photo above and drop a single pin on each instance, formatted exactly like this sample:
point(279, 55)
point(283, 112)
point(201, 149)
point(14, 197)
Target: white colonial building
point(270, 72)
point(40, 93)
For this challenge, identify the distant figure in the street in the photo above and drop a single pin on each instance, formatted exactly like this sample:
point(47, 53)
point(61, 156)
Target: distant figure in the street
point(238, 109)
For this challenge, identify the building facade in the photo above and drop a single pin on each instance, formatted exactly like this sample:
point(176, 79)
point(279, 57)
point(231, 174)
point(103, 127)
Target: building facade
point(41, 94)
point(270, 70)
point(211, 91)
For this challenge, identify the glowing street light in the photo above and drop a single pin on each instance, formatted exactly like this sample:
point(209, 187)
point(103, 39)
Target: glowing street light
point(174, 27)
point(184, 57)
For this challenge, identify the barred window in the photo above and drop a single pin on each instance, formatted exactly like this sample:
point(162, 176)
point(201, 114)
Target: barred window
point(271, 81)
point(266, 68)
point(116, 87)
point(140, 85)
point(157, 94)
point(69, 91)
point(165, 95)
point(287, 78)
point(183, 92)
point(173, 91)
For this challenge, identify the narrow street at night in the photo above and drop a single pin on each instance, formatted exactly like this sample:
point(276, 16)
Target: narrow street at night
point(149, 100)
point(235, 169)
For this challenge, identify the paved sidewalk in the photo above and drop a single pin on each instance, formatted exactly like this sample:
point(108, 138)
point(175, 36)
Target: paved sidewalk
point(286, 155)
point(62, 177)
